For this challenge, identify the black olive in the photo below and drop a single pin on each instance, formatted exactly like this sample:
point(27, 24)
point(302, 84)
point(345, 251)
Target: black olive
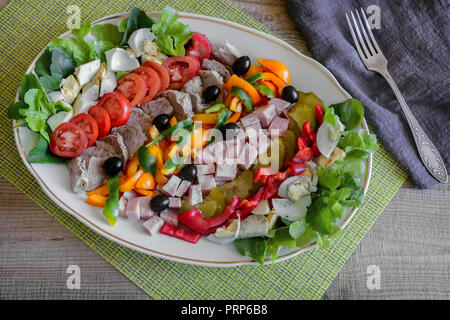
point(112, 166)
point(290, 94)
point(188, 172)
point(162, 121)
point(230, 130)
point(159, 203)
point(211, 93)
point(241, 65)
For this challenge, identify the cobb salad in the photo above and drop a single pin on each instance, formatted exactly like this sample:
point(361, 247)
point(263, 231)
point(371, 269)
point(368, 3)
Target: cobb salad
point(156, 124)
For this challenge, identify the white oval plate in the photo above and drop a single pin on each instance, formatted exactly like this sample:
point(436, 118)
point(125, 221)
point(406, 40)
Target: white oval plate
point(307, 75)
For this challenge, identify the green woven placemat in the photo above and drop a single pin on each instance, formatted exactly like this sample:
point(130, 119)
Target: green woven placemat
point(26, 28)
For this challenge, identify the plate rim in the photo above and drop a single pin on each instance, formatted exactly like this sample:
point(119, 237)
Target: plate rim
point(199, 262)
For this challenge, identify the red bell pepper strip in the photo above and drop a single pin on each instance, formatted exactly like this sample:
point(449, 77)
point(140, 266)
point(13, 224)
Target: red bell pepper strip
point(247, 205)
point(229, 210)
point(315, 150)
point(304, 155)
point(297, 168)
point(273, 184)
point(193, 219)
point(302, 143)
point(180, 233)
point(262, 174)
point(307, 133)
point(319, 113)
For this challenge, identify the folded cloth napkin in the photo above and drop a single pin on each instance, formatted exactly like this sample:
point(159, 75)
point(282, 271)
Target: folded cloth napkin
point(414, 37)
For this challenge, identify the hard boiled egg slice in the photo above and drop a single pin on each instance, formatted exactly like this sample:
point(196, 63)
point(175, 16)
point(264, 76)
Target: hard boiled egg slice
point(327, 138)
point(137, 39)
point(85, 72)
point(289, 210)
point(119, 59)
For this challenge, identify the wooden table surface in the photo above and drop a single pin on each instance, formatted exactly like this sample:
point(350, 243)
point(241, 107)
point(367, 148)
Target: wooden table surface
point(409, 243)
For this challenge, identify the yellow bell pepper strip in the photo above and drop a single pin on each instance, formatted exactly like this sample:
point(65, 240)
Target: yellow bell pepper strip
point(265, 91)
point(269, 76)
point(96, 200)
point(102, 191)
point(254, 69)
point(154, 132)
point(234, 117)
point(198, 138)
point(173, 164)
point(205, 118)
point(127, 183)
point(132, 166)
point(243, 96)
point(278, 68)
point(180, 125)
point(217, 107)
point(144, 192)
point(223, 117)
point(111, 208)
point(240, 83)
point(254, 77)
point(146, 181)
point(147, 160)
point(236, 104)
point(173, 121)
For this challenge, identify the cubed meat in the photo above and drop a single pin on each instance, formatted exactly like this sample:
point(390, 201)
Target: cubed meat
point(207, 182)
point(132, 135)
point(210, 78)
point(226, 172)
point(233, 148)
point(170, 216)
point(203, 169)
point(265, 114)
point(174, 203)
point(263, 143)
point(144, 208)
point(252, 132)
point(77, 174)
point(214, 65)
point(171, 187)
point(123, 206)
point(278, 127)
point(129, 194)
point(181, 103)
point(153, 225)
point(248, 157)
point(193, 86)
point(280, 105)
point(249, 120)
point(116, 141)
point(226, 54)
point(195, 194)
point(156, 107)
point(140, 118)
point(182, 188)
point(133, 210)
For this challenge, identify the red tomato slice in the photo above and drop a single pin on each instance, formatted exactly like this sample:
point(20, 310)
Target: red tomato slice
point(132, 86)
point(88, 124)
point(152, 81)
point(200, 47)
point(68, 140)
point(181, 70)
point(101, 116)
point(117, 106)
point(162, 73)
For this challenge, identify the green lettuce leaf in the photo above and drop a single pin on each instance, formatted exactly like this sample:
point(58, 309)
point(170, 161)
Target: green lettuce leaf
point(107, 32)
point(138, 19)
point(350, 112)
point(41, 153)
point(330, 117)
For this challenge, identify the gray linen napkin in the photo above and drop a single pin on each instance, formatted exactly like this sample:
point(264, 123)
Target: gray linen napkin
point(414, 37)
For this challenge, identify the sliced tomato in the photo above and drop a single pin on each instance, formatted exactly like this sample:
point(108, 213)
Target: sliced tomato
point(152, 81)
point(200, 47)
point(133, 87)
point(181, 70)
point(101, 116)
point(117, 106)
point(88, 124)
point(162, 73)
point(68, 140)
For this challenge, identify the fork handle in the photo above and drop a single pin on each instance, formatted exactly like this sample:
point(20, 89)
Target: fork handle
point(428, 153)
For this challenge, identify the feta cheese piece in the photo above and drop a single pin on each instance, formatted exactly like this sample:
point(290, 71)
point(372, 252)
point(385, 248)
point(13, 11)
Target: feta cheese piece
point(137, 39)
point(82, 104)
point(174, 203)
point(207, 182)
point(170, 188)
point(108, 83)
point(153, 225)
point(91, 90)
point(170, 216)
point(195, 194)
point(226, 172)
point(144, 208)
point(70, 88)
point(182, 188)
point(85, 72)
point(119, 59)
point(203, 169)
point(55, 120)
point(133, 210)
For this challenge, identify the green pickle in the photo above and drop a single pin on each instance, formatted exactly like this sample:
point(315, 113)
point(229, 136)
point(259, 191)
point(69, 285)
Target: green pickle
point(289, 142)
point(304, 109)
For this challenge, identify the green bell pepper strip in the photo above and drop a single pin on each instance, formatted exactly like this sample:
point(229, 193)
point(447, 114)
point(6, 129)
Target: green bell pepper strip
point(147, 160)
point(241, 94)
point(222, 117)
point(254, 77)
point(217, 107)
point(180, 125)
point(263, 90)
point(171, 165)
point(111, 208)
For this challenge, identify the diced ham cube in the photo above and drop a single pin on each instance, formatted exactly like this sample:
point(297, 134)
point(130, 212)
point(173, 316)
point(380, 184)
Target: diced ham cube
point(153, 225)
point(218, 151)
point(133, 210)
point(207, 182)
point(195, 194)
point(253, 131)
point(203, 169)
point(123, 206)
point(226, 172)
point(280, 105)
point(248, 157)
point(145, 210)
point(170, 188)
point(278, 127)
point(248, 120)
point(266, 114)
point(234, 149)
point(182, 188)
point(170, 216)
point(129, 194)
point(174, 203)
point(263, 143)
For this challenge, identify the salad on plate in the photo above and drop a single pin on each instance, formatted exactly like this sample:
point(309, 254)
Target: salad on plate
point(157, 125)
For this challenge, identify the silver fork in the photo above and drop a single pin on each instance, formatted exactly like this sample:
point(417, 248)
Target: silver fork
point(374, 60)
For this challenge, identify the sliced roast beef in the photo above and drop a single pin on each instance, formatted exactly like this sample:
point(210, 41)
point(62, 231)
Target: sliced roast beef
point(194, 88)
point(156, 107)
point(132, 135)
point(181, 103)
point(139, 117)
point(214, 65)
point(226, 54)
point(77, 174)
point(210, 78)
point(116, 141)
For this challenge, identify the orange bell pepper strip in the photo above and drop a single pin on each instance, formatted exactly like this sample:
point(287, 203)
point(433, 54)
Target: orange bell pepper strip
point(235, 81)
point(158, 153)
point(234, 117)
point(269, 76)
point(278, 68)
point(205, 118)
point(153, 132)
point(96, 200)
point(271, 87)
point(254, 69)
point(144, 192)
point(127, 183)
point(173, 121)
point(102, 191)
point(132, 166)
point(198, 138)
point(146, 181)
